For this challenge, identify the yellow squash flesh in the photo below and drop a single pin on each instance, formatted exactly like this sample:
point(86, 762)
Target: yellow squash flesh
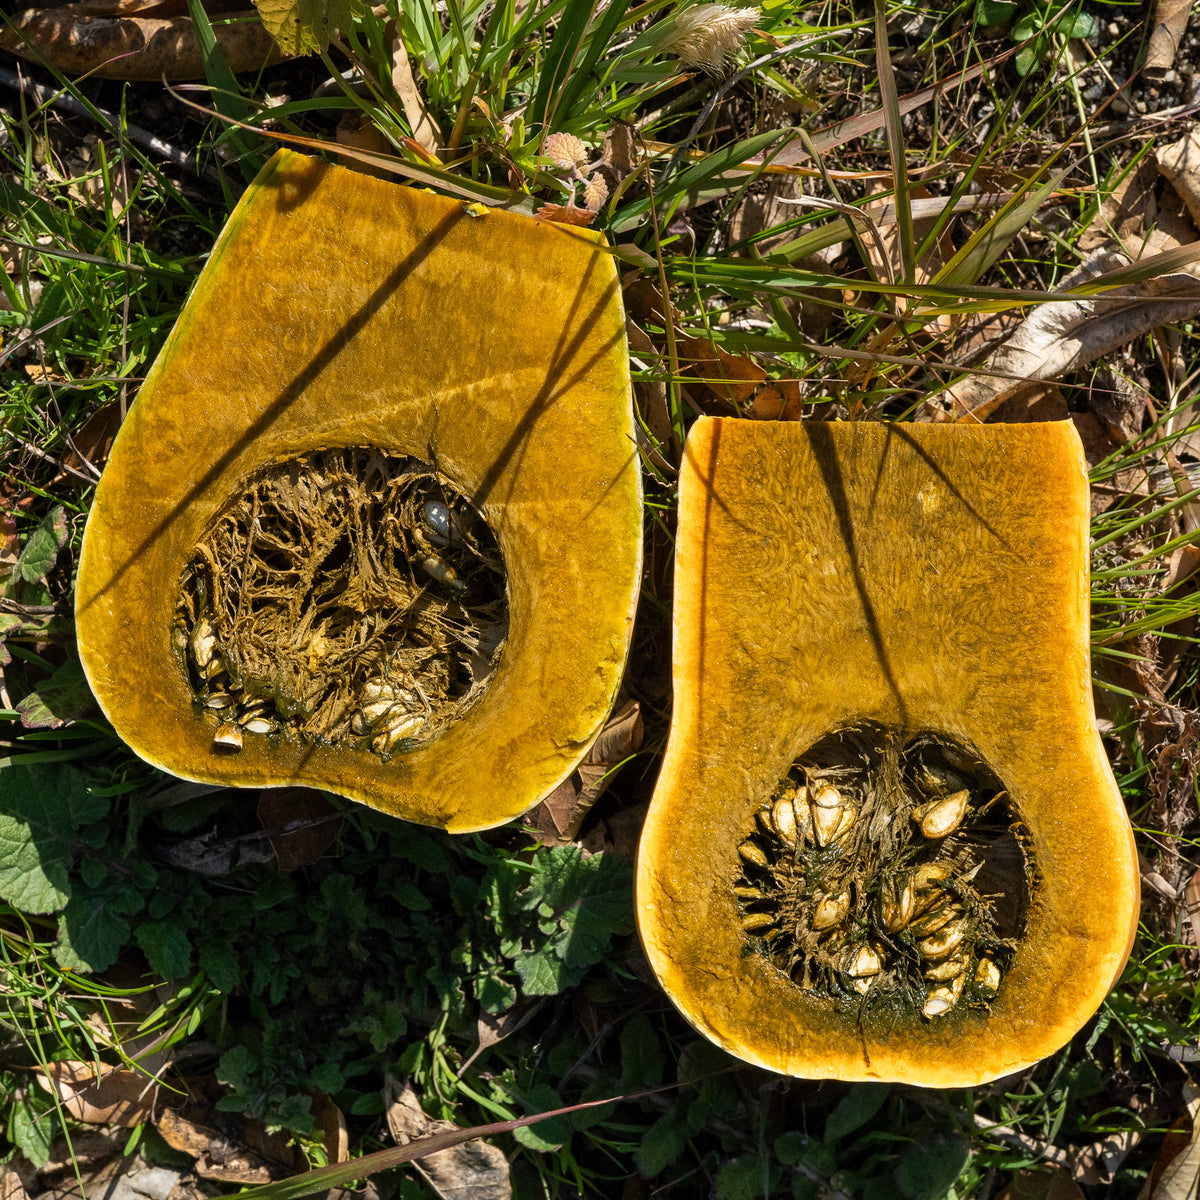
point(927, 578)
point(339, 310)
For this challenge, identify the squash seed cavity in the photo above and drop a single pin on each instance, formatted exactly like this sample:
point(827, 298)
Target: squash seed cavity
point(349, 597)
point(888, 868)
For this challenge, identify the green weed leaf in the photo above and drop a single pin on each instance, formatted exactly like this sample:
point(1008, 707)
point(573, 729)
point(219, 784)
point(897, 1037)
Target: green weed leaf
point(305, 26)
point(563, 921)
point(32, 1132)
point(855, 1109)
point(995, 12)
point(548, 1135)
point(663, 1144)
point(929, 1168)
point(167, 948)
point(59, 700)
point(642, 1058)
point(43, 546)
point(741, 1179)
point(42, 810)
point(93, 929)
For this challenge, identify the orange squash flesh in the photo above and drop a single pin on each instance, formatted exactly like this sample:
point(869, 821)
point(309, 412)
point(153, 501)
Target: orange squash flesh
point(927, 578)
point(339, 310)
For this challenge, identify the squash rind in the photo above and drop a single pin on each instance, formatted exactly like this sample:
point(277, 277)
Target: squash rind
point(342, 310)
point(928, 578)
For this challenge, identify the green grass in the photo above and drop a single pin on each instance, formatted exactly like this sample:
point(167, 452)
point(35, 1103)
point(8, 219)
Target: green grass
point(384, 958)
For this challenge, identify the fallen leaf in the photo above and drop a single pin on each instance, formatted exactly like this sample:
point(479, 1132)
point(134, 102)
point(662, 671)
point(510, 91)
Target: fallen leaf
point(1126, 213)
point(115, 1097)
point(1180, 164)
point(651, 395)
point(474, 1170)
point(491, 1029)
point(92, 442)
point(209, 854)
point(305, 26)
point(300, 823)
point(221, 1157)
point(10, 544)
point(1170, 22)
point(723, 382)
point(1191, 902)
point(131, 48)
point(883, 249)
point(11, 1187)
point(424, 128)
point(558, 817)
point(1042, 1183)
point(1176, 1173)
point(563, 214)
point(331, 1121)
point(1063, 335)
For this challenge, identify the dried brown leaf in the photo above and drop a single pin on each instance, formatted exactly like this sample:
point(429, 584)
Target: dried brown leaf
point(1042, 1183)
point(116, 1097)
point(1170, 22)
point(424, 128)
point(131, 48)
point(1176, 1174)
point(563, 214)
point(1191, 904)
point(474, 1170)
point(658, 434)
point(1126, 213)
point(11, 1187)
point(889, 237)
point(558, 817)
point(1180, 164)
point(1063, 335)
point(150, 8)
point(91, 444)
point(358, 131)
point(331, 1121)
point(301, 824)
point(226, 1158)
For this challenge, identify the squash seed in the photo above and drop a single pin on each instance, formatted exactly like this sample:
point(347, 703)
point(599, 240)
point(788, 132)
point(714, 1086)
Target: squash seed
point(832, 817)
point(862, 966)
point(934, 919)
point(940, 818)
point(942, 999)
point(943, 943)
point(952, 968)
point(830, 910)
point(898, 907)
point(753, 854)
point(987, 975)
point(227, 738)
point(783, 820)
point(756, 922)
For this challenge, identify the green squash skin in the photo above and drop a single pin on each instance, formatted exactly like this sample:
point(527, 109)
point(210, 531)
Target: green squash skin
point(928, 578)
point(342, 310)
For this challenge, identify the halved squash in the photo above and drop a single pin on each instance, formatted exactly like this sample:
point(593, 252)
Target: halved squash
point(886, 843)
point(374, 522)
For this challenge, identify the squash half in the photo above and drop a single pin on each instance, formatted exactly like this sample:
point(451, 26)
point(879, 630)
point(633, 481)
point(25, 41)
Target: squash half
point(342, 311)
point(931, 580)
